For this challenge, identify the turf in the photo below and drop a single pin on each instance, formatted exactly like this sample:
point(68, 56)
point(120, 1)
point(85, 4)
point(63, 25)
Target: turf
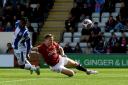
point(104, 77)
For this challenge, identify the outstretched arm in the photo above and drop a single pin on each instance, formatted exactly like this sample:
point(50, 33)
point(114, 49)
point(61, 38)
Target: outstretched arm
point(35, 49)
point(62, 52)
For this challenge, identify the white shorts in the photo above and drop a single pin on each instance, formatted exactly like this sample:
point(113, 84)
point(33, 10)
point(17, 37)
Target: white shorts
point(60, 65)
point(21, 56)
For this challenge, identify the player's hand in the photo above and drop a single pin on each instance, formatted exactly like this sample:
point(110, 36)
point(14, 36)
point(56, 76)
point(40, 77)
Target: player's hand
point(28, 56)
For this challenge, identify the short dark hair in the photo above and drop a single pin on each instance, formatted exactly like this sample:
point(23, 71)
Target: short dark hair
point(23, 19)
point(48, 36)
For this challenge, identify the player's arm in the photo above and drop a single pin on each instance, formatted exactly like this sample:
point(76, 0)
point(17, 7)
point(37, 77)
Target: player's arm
point(28, 41)
point(35, 49)
point(62, 52)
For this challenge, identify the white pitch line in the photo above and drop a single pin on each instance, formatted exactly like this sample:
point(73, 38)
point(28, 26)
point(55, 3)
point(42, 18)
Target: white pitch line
point(33, 79)
point(21, 80)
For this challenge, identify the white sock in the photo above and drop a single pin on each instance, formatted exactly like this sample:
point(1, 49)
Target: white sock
point(27, 66)
point(30, 67)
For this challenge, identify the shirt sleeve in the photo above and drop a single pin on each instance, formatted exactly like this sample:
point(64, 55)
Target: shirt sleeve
point(28, 40)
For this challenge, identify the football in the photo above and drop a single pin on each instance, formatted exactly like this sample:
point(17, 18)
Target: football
point(87, 23)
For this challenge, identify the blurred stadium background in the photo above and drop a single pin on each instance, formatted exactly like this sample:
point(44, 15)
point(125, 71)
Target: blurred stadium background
point(103, 46)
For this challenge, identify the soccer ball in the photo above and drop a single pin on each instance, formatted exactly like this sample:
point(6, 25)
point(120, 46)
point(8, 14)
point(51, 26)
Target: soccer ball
point(87, 23)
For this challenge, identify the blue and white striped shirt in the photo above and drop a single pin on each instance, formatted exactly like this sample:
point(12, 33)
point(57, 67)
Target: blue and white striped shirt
point(22, 40)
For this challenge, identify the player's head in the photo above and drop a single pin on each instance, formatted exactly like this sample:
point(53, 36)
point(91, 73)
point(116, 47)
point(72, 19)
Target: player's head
point(9, 45)
point(87, 23)
point(49, 38)
point(22, 22)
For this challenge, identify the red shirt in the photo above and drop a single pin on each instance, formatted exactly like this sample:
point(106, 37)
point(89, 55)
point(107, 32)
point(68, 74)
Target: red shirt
point(50, 53)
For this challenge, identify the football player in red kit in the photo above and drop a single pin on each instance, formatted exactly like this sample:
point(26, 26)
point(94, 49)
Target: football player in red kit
point(55, 57)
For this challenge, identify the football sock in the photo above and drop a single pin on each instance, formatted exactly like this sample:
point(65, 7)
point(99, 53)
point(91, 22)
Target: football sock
point(81, 68)
point(30, 67)
point(27, 66)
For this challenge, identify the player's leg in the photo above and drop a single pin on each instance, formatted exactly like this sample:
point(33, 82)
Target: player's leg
point(19, 59)
point(59, 67)
point(67, 71)
point(31, 67)
point(23, 62)
point(75, 64)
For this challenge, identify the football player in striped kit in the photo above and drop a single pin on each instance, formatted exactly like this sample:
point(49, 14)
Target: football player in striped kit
point(22, 46)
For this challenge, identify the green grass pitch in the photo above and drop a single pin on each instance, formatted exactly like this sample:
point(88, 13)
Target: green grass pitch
point(108, 76)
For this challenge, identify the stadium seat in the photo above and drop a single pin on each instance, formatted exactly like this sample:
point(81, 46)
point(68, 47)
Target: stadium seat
point(76, 34)
point(35, 25)
point(73, 44)
point(95, 15)
point(107, 34)
point(80, 25)
point(67, 40)
point(67, 35)
point(80, 29)
point(117, 10)
point(105, 14)
point(83, 45)
point(114, 14)
point(118, 5)
point(75, 39)
point(62, 44)
point(95, 19)
point(102, 26)
point(104, 19)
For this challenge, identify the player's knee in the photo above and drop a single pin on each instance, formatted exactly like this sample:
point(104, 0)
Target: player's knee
point(22, 66)
point(71, 74)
